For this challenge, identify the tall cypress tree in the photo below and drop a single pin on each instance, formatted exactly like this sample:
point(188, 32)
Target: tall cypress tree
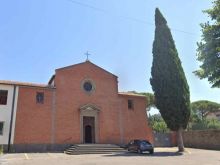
point(168, 80)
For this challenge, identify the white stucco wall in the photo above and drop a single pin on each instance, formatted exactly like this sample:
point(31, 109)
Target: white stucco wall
point(5, 113)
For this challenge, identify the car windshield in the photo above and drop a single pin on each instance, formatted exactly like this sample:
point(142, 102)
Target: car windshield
point(145, 142)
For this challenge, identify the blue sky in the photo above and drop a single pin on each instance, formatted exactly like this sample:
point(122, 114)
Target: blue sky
point(38, 36)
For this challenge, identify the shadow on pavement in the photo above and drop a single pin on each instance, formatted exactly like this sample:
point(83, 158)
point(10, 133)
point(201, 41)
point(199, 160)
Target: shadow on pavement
point(156, 154)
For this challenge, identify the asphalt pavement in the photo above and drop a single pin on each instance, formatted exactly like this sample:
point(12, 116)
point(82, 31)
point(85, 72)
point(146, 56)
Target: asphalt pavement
point(162, 156)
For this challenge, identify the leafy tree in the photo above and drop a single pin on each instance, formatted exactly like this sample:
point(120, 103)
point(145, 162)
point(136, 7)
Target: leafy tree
point(208, 51)
point(206, 124)
point(155, 118)
point(168, 80)
point(149, 97)
point(213, 124)
point(203, 107)
point(194, 117)
point(157, 123)
point(150, 100)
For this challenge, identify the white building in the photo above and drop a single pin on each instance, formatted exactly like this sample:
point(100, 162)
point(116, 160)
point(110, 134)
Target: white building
point(8, 104)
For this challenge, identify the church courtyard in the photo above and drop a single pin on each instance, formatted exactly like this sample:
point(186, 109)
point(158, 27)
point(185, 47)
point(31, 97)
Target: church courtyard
point(165, 156)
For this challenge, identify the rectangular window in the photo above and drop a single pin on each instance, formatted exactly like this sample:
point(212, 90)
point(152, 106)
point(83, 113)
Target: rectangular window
point(40, 97)
point(1, 127)
point(3, 97)
point(130, 104)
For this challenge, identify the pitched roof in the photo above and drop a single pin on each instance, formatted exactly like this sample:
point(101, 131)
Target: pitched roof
point(6, 82)
point(86, 62)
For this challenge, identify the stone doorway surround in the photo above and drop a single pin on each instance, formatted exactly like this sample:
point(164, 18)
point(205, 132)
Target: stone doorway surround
point(89, 110)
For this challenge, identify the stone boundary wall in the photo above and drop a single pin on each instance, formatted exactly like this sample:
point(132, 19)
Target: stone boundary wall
point(165, 139)
point(204, 139)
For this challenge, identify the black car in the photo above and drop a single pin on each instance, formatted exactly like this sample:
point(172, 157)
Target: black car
point(140, 146)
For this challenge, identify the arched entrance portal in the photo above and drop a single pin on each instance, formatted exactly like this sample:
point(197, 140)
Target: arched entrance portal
point(88, 134)
point(89, 129)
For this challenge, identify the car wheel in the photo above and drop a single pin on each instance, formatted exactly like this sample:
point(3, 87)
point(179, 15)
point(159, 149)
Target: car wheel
point(151, 151)
point(139, 151)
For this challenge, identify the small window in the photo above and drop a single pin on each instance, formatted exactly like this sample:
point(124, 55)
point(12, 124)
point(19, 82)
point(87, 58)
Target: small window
point(1, 127)
point(87, 86)
point(130, 104)
point(40, 97)
point(3, 97)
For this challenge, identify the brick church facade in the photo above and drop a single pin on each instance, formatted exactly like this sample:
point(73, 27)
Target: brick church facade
point(80, 104)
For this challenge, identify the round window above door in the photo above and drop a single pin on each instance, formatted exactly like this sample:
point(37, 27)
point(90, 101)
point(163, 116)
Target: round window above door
point(88, 86)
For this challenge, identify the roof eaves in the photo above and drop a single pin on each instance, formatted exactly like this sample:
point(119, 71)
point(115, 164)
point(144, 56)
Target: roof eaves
point(130, 94)
point(25, 84)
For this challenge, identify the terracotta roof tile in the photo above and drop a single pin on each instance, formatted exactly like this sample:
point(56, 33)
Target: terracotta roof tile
point(6, 82)
point(130, 94)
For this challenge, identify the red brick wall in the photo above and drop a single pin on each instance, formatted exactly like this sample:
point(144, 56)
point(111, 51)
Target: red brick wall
point(135, 120)
point(33, 121)
point(109, 122)
point(68, 81)
point(70, 97)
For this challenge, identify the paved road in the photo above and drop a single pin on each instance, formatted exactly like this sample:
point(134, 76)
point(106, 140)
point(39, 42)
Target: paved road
point(162, 156)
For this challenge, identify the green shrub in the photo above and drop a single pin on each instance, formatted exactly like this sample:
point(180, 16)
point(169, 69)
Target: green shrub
point(214, 124)
point(157, 123)
point(201, 125)
point(160, 127)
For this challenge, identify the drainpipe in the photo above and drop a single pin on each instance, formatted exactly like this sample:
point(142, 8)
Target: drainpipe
point(12, 115)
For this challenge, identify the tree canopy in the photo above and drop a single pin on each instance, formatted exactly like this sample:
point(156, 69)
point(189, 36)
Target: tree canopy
point(150, 99)
point(157, 123)
point(208, 51)
point(203, 107)
point(149, 96)
point(168, 80)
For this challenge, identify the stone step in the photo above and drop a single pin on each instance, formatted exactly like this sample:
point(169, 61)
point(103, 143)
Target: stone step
point(98, 145)
point(92, 152)
point(93, 149)
point(85, 153)
point(98, 149)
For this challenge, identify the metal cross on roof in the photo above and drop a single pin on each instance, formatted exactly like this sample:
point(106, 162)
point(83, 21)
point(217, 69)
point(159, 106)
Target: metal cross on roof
point(87, 55)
